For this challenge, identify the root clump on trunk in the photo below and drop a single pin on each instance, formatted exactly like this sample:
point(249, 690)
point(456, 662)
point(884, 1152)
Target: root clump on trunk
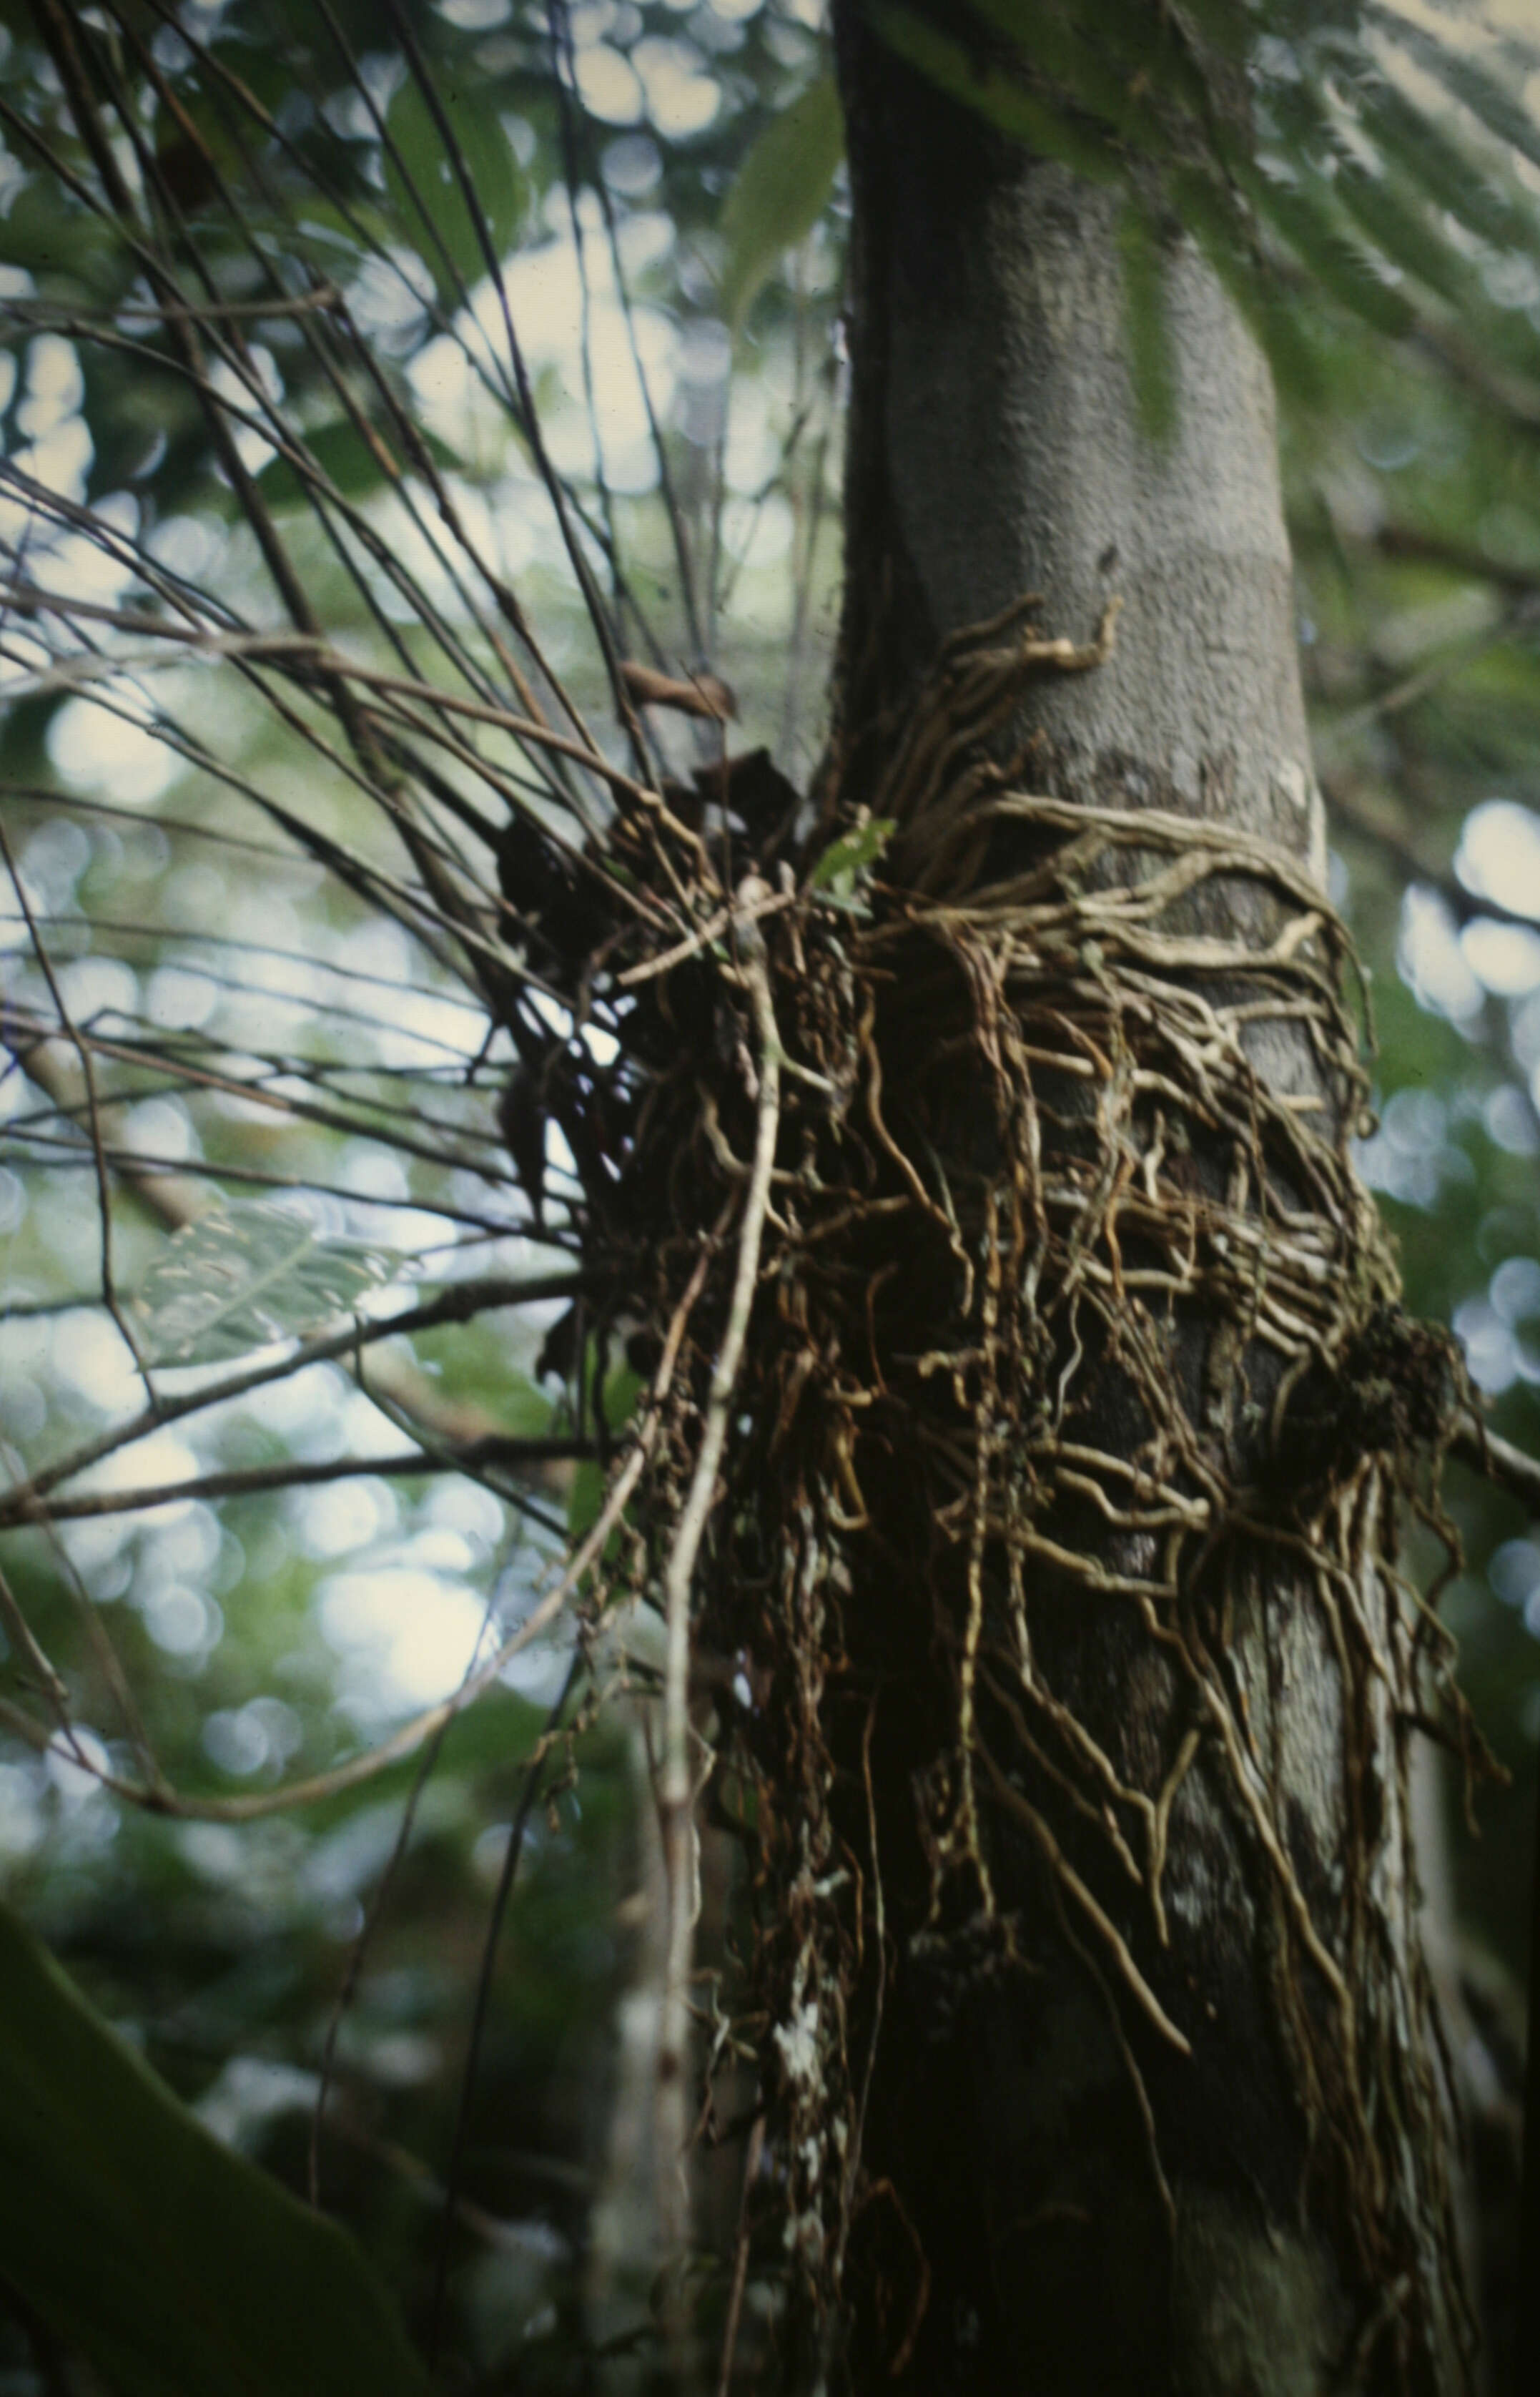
point(1066, 1451)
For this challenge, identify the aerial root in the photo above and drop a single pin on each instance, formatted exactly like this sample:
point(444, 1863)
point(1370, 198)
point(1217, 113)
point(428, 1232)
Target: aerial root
point(1063, 1304)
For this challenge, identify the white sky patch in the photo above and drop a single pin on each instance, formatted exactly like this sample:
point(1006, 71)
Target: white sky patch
point(180, 999)
point(642, 239)
point(388, 294)
point(55, 857)
point(74, 1760)
point(1505, 956)
point(71, 1236)
point(608, 85)
point(1511, 1122)
point(377, 948)
point(274, 981)
point(1499, 855)
point(591, 20)
point(365, 1429)
point(91, 1358)
point(13, 1202)
point(1432, 958)
point(188, 1549)
point(161, 1126)
point(454, 404)
point(439, 1548)
point(752, 449)
point(95, 1546)
point(159, 1458)
point(236, 391)
point(305, 1407)
point(408, 1021)
point(1514, 1572)
point(1492, 1354)
point(342, 1516)
point(760, 536)
point(97, 750)
point(425, 551)
point(94, 988)
point(374, 1173)
point(250, 2092)
point(1514, 1290)
point(25, 657)
point(61, 462)
point(261, 914)
point(405, 1636)
point(260, 1735)
point(473, 1511)
point(80, 568)
point(525, 521)
point(545, 289)
point(101, 750)
point(602, 1045)
point(187, 545)
point(558, 1151)
point(343, 1861)
point(182, 1621)
point(1411, 1157)
point(48, 419)
point(681, 98)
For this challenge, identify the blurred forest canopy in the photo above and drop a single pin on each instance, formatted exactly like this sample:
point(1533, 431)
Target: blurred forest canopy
point(421, 440)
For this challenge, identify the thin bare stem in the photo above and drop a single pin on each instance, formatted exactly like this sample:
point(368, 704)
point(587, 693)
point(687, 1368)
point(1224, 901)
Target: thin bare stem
point(675, 1797)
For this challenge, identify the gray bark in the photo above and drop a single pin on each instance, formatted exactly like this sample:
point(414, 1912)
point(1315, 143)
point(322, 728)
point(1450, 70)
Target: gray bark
point(1017, 462)
point(996, 448)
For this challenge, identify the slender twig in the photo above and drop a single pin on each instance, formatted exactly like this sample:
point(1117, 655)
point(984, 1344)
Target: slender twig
point(1486, 1452)
point(676, 1792)
point(292, 1474)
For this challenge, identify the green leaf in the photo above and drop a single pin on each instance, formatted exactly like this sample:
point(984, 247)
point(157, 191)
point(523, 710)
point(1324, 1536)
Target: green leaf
point(422, 180)
point(171, 2265)
point(1435, 165)
point(343, 457)
point(1400, 228)
point(248, 1272)
point(1314, 231)
point(845, 860)
point(782, 189)
point(346, 461)
point(60, 244)
point(1497, 106)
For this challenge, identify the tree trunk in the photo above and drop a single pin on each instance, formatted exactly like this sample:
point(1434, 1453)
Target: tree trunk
point(1144, 2082)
